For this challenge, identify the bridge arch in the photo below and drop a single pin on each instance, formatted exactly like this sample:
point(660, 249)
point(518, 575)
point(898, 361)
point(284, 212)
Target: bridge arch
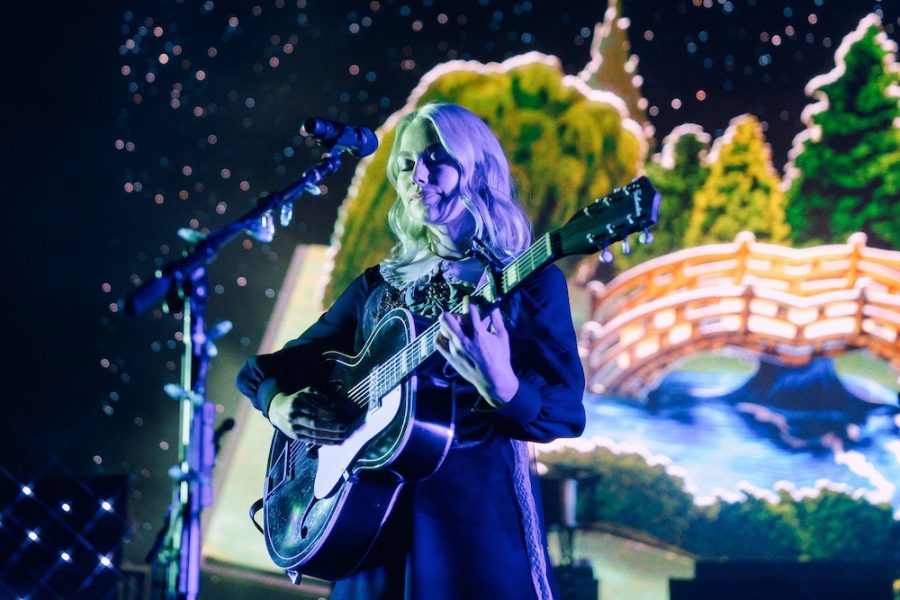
point(790, 304)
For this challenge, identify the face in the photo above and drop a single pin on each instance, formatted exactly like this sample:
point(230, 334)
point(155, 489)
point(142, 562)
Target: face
point(428, 181)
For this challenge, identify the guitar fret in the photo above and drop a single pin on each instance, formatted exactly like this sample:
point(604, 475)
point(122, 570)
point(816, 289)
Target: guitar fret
point(396, 369)
point(513, 273)
point(374, 392)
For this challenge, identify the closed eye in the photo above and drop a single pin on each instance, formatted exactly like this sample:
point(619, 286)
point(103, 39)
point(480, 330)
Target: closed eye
point(437, 153)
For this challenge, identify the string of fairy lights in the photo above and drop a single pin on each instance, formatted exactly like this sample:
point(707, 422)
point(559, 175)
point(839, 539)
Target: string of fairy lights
point(60, 537)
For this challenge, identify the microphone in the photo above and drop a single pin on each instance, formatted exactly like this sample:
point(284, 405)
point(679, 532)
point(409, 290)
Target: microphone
point(358, 141)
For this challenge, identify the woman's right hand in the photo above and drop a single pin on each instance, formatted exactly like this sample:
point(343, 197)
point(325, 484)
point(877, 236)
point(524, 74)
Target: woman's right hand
point(309, 416)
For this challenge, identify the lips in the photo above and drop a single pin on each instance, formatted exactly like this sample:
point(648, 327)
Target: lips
point(424, 198)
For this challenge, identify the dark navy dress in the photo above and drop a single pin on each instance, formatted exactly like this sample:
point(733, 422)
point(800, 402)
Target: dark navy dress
point(473, 530)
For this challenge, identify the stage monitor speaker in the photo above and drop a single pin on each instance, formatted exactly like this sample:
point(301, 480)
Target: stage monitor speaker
point(577, 582)
point(760, 580)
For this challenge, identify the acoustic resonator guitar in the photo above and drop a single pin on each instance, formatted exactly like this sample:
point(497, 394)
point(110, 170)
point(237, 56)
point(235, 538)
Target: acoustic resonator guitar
point(325, 505)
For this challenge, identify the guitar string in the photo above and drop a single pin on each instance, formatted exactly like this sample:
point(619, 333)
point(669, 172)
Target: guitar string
point(394, 366)
point(412, 351)
point(294, 450)
point(410, 354)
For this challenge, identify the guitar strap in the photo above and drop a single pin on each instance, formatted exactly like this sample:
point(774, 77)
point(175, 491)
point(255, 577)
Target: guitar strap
point(255, 508)
point(534, 545)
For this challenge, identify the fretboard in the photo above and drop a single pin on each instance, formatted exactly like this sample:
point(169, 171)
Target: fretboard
point(391, 372)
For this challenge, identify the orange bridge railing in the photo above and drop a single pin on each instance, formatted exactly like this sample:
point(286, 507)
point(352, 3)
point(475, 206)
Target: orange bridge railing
point(792, 304)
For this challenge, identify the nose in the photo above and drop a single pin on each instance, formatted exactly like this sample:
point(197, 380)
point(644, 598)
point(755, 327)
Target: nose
point(420, 172)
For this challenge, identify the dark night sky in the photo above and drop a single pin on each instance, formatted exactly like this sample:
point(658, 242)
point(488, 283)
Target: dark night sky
point(85, 383)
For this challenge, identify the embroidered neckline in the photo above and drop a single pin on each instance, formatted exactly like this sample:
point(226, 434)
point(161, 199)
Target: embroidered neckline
point(398, 282)
point(444, 265)
point(433, 292)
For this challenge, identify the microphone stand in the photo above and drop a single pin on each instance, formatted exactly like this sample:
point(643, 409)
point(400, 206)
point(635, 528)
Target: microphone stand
point(183, 286)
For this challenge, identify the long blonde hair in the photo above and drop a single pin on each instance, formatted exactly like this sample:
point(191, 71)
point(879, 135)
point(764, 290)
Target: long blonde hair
point(485, 186)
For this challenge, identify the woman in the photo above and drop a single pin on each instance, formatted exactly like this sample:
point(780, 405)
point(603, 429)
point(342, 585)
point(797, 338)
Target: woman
point(472, 530)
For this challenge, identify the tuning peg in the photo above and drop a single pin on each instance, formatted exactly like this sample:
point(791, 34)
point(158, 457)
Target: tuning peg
point(287, 213)
point(645, 237)
point(605, 255)
point(626, 246)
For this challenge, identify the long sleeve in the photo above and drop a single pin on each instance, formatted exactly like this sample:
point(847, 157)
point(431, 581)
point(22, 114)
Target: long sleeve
point(548, 403)
point(292, 368)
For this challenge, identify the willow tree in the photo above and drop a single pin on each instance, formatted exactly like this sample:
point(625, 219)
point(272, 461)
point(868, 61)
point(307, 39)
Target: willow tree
point(567, 145)
point(845, 175)
point(742, 191)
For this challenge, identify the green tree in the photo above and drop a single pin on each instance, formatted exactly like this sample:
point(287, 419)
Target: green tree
point(678, 175)
point(841, 527)
point(565, 147)
point(742, 191)
point(626, 490)
point(846, 169)
point(623, 489)
point(613, 68)
point(751, 529)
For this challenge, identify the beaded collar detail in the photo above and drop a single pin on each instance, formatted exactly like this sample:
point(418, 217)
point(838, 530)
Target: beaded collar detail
point(433, 292)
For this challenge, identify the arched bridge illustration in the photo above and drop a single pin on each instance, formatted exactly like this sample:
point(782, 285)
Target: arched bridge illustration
point(791, 304)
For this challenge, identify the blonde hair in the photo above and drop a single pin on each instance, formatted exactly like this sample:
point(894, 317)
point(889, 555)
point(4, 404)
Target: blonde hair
point(485, 186)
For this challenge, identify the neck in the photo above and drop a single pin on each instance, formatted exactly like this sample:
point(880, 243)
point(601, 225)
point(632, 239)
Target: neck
point(445, 249)
point(451, 241)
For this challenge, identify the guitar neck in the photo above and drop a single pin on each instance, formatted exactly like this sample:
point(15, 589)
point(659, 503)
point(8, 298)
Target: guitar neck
point(389, 374)
point(607, 220)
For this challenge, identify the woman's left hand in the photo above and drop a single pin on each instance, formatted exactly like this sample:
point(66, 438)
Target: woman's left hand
point(479, 351)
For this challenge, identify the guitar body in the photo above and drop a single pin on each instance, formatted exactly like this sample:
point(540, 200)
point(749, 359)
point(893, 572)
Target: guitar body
point(325, 505)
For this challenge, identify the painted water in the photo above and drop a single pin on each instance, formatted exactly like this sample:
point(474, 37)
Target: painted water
point(808, 427)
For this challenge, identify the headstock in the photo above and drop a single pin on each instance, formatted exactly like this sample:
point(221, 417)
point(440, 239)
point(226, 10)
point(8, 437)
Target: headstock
point(630, 209)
